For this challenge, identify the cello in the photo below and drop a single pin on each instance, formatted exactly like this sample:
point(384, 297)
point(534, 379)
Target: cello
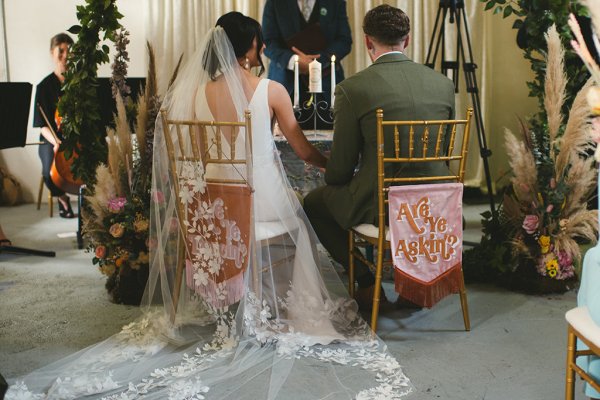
point(60, 172)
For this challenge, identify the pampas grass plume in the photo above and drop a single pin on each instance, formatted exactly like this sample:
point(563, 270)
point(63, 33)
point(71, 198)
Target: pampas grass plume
point(555, 82)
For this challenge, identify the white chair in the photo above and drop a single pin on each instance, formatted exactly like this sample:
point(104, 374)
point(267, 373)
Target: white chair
point(580, 326)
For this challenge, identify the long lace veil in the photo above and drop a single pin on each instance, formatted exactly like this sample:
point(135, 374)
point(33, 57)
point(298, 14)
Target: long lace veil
point(260, 313)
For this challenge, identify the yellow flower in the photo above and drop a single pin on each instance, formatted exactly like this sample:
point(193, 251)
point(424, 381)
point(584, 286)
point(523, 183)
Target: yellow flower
point(140, 225)
point(544, 241)
point(143, 257)
point(552, 273)
point(107, 269)
point(117, 230)
point(552, 264)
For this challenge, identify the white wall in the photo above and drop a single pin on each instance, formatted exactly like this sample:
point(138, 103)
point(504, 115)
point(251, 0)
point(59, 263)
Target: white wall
point(29, 26)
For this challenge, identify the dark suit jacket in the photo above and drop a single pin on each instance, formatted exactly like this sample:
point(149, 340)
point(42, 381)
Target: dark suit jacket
point(281, 21)
point(404, 90)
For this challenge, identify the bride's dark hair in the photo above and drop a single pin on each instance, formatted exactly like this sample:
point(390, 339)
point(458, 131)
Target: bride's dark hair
point(241, 31)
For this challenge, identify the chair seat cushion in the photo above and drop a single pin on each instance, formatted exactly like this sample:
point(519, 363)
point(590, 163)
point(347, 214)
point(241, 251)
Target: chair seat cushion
point(267, 230)
point(371, 230)
point(580, 319)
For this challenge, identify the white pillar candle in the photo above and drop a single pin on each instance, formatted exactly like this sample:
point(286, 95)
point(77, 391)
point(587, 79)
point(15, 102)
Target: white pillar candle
point(314, 77)
point(296, 83)
point(332, 80)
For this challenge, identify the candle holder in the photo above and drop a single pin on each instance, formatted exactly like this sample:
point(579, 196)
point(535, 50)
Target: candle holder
point(315, 110)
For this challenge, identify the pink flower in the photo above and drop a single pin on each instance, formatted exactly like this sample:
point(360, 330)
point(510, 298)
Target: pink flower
point(550, 208)
point(151, 243)
point(531, 223)
point(117, 204)
point(100, 251)
point(158, 197)
point(564, 259)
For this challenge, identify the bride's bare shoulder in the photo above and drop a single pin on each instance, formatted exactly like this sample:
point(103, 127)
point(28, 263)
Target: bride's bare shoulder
point(277, 91)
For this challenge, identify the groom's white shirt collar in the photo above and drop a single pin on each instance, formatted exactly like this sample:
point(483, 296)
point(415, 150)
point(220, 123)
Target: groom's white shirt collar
point(389, 52)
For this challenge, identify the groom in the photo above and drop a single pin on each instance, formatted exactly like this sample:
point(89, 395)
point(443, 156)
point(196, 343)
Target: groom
point(404, 90)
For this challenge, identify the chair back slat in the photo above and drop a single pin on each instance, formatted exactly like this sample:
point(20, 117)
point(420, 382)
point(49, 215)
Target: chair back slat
point(396, 142)
point(411, 141)
point(425, 141)
point(452, 140)
point(180, 139)
point(219, 144)
point(438, 142)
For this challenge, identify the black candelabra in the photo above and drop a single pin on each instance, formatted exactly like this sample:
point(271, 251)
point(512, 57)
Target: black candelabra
point(315, 110)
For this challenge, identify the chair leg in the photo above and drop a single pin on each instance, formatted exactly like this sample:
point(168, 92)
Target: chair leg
point(178, 278)
point(40, 191)
point(570, 373)
point(50, 204)
point(377, 291)
point(351, 263)
point(463, 301)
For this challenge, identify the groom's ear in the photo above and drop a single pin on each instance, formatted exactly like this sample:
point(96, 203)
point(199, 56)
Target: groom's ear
point(368, 43)
point(407, 41)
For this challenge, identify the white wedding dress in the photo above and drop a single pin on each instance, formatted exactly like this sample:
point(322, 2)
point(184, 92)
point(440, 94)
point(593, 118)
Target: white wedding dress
point(295, 335)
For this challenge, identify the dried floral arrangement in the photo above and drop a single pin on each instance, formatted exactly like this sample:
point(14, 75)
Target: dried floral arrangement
point(543, 217)
point(116, 223)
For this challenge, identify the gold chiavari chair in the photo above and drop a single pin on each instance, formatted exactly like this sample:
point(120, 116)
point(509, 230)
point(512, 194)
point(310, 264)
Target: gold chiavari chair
point(425, 143)
point(202, 142)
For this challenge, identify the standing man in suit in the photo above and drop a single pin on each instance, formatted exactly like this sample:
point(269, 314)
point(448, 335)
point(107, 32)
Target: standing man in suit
point(284, 20)
point(404, 90)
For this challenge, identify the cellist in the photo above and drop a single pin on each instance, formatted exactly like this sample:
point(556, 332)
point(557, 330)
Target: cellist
point(47, 95)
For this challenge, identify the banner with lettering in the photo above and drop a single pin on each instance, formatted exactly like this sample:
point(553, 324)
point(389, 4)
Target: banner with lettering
point(426, 240)
point(218, 242)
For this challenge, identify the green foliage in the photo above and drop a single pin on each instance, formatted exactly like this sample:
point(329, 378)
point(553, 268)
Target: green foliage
point(82, 128)
point(491, 260)
point(534, 18)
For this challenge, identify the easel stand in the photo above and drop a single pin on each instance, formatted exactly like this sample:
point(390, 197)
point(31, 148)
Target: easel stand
point(457, 16)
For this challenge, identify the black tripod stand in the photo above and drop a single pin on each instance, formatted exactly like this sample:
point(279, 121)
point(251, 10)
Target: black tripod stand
point(454, 11)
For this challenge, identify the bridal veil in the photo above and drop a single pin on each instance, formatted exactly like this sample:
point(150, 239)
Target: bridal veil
point(260, 312)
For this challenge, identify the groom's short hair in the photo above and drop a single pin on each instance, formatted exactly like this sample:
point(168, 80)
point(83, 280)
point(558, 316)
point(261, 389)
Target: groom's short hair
point(386, 24)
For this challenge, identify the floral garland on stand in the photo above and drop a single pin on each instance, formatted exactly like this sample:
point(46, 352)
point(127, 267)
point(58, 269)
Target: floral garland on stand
point(543, 217)
point(117, 224)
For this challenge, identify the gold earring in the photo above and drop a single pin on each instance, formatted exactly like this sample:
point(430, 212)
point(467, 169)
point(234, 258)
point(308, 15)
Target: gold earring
point(246, 63)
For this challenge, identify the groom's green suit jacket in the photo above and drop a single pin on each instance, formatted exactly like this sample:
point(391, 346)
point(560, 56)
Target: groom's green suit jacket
point(404, 90)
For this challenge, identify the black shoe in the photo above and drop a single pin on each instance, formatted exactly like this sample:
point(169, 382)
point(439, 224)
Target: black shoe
point(364, 298)
point(65, 212)
point(402, 303)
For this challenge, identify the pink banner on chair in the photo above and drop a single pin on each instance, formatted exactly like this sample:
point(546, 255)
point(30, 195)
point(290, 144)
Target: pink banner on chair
point(426, 240)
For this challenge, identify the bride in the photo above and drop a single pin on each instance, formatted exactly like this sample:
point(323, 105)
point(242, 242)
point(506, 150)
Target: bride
point(261, 313)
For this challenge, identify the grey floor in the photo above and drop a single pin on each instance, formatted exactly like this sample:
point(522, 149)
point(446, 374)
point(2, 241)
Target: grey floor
point(51, 307)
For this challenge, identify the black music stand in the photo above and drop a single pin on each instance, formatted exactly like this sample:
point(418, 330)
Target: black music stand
point(15, 99)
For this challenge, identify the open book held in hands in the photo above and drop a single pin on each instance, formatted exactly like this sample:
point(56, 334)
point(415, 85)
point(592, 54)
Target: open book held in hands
point(309, 40)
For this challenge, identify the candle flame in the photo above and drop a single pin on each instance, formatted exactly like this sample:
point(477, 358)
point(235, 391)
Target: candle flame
point(296, 58)
point(333, 58)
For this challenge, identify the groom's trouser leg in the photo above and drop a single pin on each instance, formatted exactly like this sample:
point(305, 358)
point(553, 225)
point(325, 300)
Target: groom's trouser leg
point(333, 236)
